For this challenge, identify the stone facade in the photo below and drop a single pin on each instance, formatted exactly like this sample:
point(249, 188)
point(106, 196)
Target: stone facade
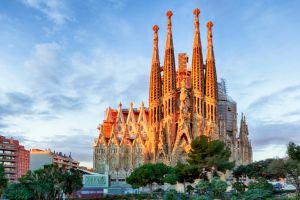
point(183, 104)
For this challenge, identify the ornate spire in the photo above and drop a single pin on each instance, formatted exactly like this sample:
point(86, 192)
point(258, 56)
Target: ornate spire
point(210, 51)
point(155, 54)
point(169, 42)
point(197, 41)
point(197, 67)
point(169, 60)
point(155, 90)
point(211, 74)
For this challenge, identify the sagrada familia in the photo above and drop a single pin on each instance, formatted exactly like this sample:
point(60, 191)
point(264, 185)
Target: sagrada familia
point(184, 103)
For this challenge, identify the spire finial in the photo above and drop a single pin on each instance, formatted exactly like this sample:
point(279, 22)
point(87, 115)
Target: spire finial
point(131, 104)
point(209, 24)
point(169, 15)
point(120, 104)
point(142, 104)
point(155, 28)
point(196, 12)
point(155, 39)
point(196, 23)
point(155, 56)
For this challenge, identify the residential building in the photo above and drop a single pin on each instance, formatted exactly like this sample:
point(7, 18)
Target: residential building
point(14, 157)
point(39, 158)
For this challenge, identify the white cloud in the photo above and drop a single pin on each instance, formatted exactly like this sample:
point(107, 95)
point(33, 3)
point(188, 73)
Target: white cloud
point(55, 10)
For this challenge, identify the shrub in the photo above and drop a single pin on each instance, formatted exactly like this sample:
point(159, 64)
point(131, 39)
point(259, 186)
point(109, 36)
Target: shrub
point(170, 195)
point(257, 194)
point(218, 187)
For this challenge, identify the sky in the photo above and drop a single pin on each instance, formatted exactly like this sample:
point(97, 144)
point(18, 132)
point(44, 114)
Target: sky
point(63, 62)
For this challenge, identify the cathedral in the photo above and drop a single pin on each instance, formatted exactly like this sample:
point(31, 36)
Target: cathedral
point(184, 102)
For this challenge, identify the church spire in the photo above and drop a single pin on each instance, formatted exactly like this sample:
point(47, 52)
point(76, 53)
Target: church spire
point(210, 50)
point(155, 92)
point(169, 77)
point(197, 68)
point(211, 85)
point(169, 42)
point(155, 53)
point(211, 74)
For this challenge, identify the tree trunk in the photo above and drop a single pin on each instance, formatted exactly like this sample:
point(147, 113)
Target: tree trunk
point(184, 186)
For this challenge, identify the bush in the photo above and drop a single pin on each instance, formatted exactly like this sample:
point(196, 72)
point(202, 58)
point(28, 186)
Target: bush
point(261, 183)
point(257, 194)
point(170, 195)
point(203, 187)
point(218, 187)
point(202, 197)
point(239, 186)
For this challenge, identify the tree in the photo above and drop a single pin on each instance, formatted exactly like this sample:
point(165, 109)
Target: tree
point(209, 156)
point(292, 168)
point(185, 173)
point(294, 151)
point(71, 181)
point(287, 168)
point(203, 186)
point(259, 189)
point(189, 189)
point(239, 186)
point(253, 170)
point(50, 182)
point(218, 187)
point(148, 174)
point(3, 180)
point(260, 183)
point(257, 194)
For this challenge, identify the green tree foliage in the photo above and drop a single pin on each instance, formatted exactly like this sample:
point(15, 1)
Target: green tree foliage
point(3, 180)
point(203, 187)
point(239, 186)
point(185, 173)
point(148, 174)
point(170, 195)
point(260, 183)
point(208, 155)
point(294, 151)
point(287, 168)
point(48, 183)
point(259, 189)
point(253, 170)
point(257, 194)
point(189, 189)
point(218, 187)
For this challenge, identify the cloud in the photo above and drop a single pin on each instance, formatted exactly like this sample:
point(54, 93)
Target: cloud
point(284, 100)
point(47, 64)
point(116, 4)
point(267, 99)
point(55, 10)
point(16, 103)
point(76, 141)
point(265, 134)
point(62, 102)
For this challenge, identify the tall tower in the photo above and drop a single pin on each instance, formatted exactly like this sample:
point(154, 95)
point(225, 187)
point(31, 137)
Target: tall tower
point(211, 88)
point(155, 95)
point(169, 78)
point(169, 86)
point(197, 80)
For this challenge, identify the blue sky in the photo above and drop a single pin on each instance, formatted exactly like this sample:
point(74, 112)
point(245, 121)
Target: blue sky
point(63, 62)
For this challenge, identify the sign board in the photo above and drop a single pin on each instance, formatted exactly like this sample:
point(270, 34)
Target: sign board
point(99, 180)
